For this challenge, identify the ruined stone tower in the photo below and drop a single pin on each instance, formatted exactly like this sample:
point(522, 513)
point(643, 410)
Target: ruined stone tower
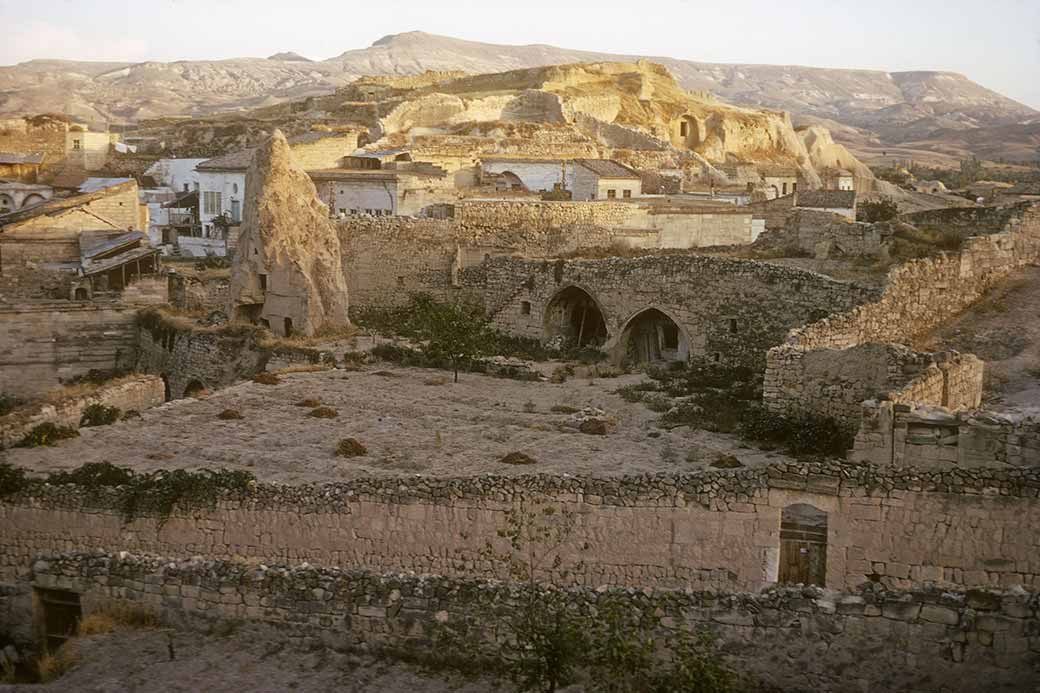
point(287, 273)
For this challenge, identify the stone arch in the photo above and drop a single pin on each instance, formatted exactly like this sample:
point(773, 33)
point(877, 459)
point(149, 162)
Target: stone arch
point(510, 181)
point(32, 199)
point(196, 388)
point(574, 318)
point(653, 335)
point(803, 545)
point(6, 203)
point(80, 293)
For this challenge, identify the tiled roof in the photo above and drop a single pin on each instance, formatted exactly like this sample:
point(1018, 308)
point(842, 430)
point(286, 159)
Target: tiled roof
point(608, 168)
point(827, 199)
point(60, 205)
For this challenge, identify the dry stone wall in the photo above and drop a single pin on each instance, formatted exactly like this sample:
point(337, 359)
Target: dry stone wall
point(730, 311)
point(784, 639)
point(718, 529)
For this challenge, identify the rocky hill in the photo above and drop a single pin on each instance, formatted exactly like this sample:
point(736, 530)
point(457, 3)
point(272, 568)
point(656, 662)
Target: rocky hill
point(885, 109)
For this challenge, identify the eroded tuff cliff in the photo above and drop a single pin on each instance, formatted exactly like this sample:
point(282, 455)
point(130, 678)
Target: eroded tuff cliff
point(634, 106)
point(287, 272)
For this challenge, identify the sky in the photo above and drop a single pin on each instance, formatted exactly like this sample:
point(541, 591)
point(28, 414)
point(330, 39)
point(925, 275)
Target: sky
point(995, 43)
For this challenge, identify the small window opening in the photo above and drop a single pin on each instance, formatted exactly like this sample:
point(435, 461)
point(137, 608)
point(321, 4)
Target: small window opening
point(263, 282)
point(525, 307)
point(732, 324)
point(626, 193)
point(400, 281)
point(611, 194)
point(717, 357)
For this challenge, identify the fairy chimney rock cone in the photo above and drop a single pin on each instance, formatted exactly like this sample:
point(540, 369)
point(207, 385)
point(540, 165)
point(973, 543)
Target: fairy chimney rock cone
point(287, 273)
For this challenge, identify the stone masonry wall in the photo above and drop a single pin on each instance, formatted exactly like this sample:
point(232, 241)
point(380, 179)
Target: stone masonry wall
point(134, 393)
point(988, 219)
point(783, 639)
point(46, 343)
point(828, 235)
point(717, 529)
point(730, 311)
point(906, 434)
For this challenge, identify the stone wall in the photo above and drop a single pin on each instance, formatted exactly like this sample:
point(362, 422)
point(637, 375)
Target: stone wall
point(192, 292)
point(188, 356)
point(133, 393)
point(713, 529)
point(729, 311)
point(46, 343)
point(783, 639)
point(905, 434)
point(978, 219)
point(774, 211)
point(834, 383)
point(918, 297)
point(538, 215)
point(826, 235)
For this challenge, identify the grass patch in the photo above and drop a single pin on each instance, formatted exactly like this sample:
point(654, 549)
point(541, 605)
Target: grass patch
point(309, 403)
point(230, 415)
point(350, 447)
point(47, 434)
point(52, 666)
point(564, 409)
point(266, 378)
point(323, 413)
point(517, 458)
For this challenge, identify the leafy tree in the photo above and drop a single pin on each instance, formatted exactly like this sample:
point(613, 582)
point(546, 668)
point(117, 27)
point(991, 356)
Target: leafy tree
point(455, 332)
point(881, 209)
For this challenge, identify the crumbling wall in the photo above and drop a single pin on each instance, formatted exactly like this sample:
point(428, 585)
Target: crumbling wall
point(133, 393)
point(529, 214)
point(827, 235)
point(191, 292)
point(875, 639)
point(711, 529)
point(979, 219)
point(911, 435)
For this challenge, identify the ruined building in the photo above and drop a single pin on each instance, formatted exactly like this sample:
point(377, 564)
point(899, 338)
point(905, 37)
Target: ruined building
point(287, 274)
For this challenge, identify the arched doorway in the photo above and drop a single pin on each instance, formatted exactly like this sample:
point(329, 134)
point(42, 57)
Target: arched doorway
point(510, 181)
point(803, 545)
point(31, 200)
point(573, 317)
point(652, 336)
point(81, 293)
point(196, 388)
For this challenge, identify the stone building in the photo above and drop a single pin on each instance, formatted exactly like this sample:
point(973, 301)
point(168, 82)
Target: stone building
point(20, 167)
point(779, 181)
point(534, 175)
point(15, 195)
point(605, 179)
point(406, 189)
point(838, 179)
point(841, 202)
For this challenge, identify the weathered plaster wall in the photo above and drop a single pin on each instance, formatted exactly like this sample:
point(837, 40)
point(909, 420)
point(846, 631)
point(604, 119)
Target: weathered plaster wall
point(873, 639)
point(906, 528)
point(730, 311)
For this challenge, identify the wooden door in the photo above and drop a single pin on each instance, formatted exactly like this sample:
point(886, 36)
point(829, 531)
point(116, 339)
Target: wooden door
point(803, 554)
point(61, 616)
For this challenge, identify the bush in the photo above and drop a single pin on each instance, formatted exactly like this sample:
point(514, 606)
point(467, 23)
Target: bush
point(99, 415)
point(324, 413)
point(799, 434)
point(350, 447)
point(230, 415)
point(12, 479)
point(94, 474)
point(309, 402)
point(882, 209)
point(46, 435)
point(517, 458)
point(52, 667)
point(266, 378)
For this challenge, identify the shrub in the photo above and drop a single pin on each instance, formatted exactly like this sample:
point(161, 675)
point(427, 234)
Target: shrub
point(564, 409)
point(12, 479)
point(350, 447)
point(116, 617)
point(355, 358)
point(517, 458)
point(230, 415)
point(323, 413)
point(561, 373)
point(455, 332)
point(94, 474)
point(800, 434)
point(727, 462)
point(52, 667)
point(46, 435)
point(309, 402)
point(882, 209)
point(266, 378)
point(99, 415)
point(530, 407)
point(159, 493)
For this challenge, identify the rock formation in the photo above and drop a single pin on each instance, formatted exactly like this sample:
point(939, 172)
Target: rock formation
point(287, 272)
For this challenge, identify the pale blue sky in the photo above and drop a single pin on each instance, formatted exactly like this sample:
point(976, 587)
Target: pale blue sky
point(996, 43)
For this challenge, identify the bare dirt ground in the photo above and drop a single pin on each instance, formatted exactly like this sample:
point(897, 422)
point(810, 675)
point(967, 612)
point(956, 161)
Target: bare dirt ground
point(1004, 331)
point(139, 662)
point(411, 420)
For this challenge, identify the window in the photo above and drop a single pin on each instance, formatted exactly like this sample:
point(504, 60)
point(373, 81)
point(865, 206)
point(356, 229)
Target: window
point(234, 188)
point(732, 324)
point(525, 307)
point(77, 144)
point(783, 188)
point(236, 210)
point(400, 280)
point(611, 194)
point(185, 187)
point(211, 203)
point(670, 337)
point(717, 357)
point(263, 282)
point(626, 194)
point(794, 187)
point(682, 129)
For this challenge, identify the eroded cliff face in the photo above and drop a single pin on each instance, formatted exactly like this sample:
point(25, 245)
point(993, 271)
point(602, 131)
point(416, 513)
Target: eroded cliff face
point(617, 106)
point(287, 273)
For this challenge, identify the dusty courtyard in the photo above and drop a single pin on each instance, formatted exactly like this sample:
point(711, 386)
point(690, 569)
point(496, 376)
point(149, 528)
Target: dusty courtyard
point(411, 420)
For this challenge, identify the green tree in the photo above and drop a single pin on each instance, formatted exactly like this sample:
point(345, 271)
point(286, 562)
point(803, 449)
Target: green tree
point(454, 332)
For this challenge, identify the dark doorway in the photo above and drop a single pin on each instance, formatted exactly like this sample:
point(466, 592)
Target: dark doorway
point(574, 317)
point(803, 545)
point(59, 615)
point(166, 387)
point(653, 336)
point(81, 294)
point(288, 327)
point(195, 388)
